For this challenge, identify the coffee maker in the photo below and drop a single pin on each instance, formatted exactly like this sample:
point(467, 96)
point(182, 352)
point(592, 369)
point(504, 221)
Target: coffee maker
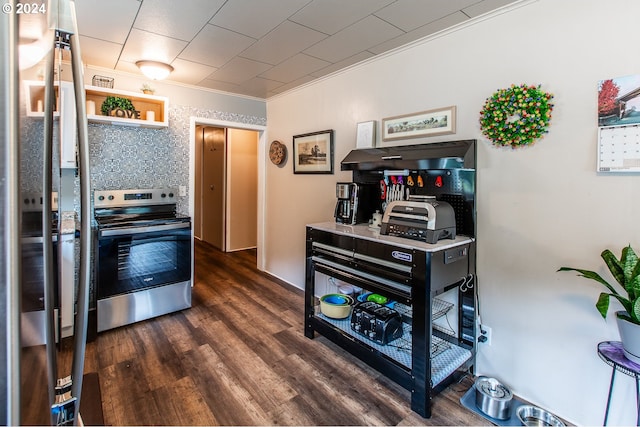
point(356, 202)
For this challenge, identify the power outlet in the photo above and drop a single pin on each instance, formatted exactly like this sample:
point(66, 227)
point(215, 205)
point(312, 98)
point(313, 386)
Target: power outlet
point(485, 334)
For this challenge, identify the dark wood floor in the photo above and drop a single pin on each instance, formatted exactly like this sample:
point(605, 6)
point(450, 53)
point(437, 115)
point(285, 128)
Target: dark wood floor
point(239, 357)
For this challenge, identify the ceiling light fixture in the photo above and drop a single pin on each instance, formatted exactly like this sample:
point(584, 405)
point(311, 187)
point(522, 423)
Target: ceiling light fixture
point(155, 70)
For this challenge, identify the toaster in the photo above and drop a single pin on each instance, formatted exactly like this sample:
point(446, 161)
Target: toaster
point(376, 322)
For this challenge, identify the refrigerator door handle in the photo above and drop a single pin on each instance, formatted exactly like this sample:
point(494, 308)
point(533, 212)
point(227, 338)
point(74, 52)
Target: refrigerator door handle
point(81, 320)
point(47, 188)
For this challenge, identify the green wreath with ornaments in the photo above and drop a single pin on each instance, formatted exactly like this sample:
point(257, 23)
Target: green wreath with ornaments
point(516, 116)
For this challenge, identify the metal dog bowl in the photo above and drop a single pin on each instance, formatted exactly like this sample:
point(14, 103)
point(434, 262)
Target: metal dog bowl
point(530, 415)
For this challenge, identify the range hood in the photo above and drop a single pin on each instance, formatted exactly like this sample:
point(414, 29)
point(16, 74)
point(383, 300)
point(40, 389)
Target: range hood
point(438, 155)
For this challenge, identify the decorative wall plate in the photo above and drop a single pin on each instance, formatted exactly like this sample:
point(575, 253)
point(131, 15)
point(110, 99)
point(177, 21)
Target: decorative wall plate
point(277, 152)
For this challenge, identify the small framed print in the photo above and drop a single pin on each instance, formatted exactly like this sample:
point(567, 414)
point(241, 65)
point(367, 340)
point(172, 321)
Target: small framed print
point(313, 152)
point(441, 121)
point(366, 134)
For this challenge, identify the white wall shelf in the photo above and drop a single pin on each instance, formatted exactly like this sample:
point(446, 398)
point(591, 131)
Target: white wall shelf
point(153, 110)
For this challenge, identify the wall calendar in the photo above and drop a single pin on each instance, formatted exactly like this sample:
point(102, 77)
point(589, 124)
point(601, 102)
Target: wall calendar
point(619, 124)
point(619, 149)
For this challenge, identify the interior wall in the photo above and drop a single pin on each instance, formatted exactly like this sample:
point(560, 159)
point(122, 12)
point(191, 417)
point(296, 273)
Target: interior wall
point(242, 186)
point(539, 207)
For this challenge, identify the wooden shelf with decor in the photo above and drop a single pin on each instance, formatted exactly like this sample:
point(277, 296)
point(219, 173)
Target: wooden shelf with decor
point(144, 104)
point(153, 110)
point(34, 91)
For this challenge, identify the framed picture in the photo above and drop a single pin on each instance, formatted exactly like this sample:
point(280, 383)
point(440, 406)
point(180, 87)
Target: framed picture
point(366, 134)
point(425, 123)
point(313, 152)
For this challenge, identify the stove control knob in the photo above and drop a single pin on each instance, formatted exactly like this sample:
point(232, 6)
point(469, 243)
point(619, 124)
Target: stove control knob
point(111, 197)
point(26, 201)
point(163, 195)
point(171, 195)
point(101, 198)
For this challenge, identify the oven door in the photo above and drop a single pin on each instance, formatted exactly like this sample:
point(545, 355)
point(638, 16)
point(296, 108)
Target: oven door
point(132, 259)
point(33, 320)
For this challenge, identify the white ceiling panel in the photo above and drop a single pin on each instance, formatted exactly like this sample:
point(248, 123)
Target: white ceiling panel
point(484, 6)
point(292, 85)
point(282, 43)
point(255, 18)
point(331, 16)
point(146, 45)
point(98, 52)
point(410, 14)
point(216, 46)
point(190, 72)
point(239, 70)
point(222, 86)
point(364, 34)
point(259, 87)
point(127, 67)
point(362, 56)
point(177, 19)
point(259, 47)
point(421, 32)
point(107, 20)
point(294, 68)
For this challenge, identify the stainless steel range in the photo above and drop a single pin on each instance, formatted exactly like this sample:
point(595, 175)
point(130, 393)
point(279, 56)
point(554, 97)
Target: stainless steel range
point(143, 256)
point(33, 327)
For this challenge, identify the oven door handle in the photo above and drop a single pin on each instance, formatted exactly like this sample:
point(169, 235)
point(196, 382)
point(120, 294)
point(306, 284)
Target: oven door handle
point(140, 230)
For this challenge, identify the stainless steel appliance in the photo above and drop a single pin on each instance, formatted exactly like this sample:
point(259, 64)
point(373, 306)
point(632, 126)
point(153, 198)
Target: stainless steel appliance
point(143, 256)
point(356, 202)
point(25, 40)
point(33, 317)
point(420, 218)
point(376, 322)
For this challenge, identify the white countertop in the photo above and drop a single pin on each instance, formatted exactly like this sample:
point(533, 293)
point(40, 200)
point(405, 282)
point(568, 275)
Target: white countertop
point(370, 233)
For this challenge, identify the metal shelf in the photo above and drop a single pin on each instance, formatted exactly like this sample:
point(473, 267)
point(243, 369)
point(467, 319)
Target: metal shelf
point(445, 356)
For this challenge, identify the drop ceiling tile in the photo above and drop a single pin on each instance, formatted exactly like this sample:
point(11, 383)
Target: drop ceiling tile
point(282, 43)
point(222, 86)
point(259, 87)
point(485, 6)
point(177, 19)
point(215, 46)
point(189, 72)
point(255, 18)
point(359, 57)
point(292, 85)
point(239, 70)
point(146, 45)
point(331, 16)
point(107, 20)
point(421, 32)
point(294, 68)
point(127, 67)
point(411, 14)
point(364, 34)
point(99, 53)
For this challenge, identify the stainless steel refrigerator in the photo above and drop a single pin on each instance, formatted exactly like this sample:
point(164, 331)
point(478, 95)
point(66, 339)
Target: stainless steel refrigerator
point(40, 34)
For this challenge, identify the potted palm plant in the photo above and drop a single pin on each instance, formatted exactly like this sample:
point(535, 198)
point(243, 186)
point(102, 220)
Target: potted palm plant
point(626, 271)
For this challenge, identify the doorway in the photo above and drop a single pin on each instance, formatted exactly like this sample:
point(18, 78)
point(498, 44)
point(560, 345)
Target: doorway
point(225, 185)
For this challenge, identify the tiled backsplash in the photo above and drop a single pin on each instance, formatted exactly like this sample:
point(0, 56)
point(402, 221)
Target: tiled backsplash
point(129, 157)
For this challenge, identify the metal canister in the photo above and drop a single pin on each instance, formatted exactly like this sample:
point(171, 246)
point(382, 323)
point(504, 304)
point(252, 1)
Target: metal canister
point(493, 398)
